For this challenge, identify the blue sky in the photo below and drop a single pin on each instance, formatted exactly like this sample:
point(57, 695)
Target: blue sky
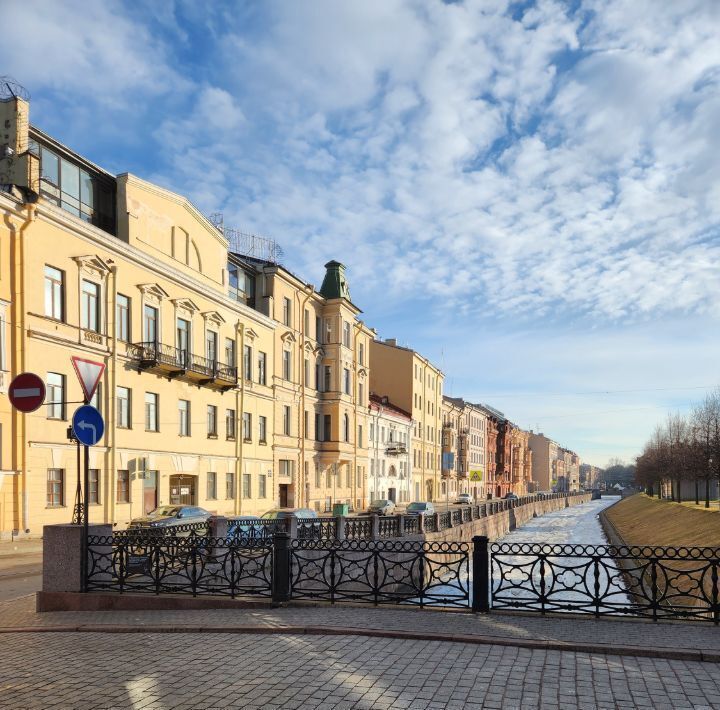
point(528, 193)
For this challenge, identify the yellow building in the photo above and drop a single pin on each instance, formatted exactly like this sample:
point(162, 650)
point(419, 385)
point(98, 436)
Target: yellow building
point(205, 393)
point(414, 384)
point(320, 384)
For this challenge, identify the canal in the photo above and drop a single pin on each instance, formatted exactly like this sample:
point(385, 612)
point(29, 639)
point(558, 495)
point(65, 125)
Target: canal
point(559, 578)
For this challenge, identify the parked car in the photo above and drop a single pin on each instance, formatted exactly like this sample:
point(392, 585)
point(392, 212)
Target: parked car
point(248, 528)
point(169, 516)
point(510, 496)
point(284, 513)
point(420, 509)
point(464, 499)
point(381, 506)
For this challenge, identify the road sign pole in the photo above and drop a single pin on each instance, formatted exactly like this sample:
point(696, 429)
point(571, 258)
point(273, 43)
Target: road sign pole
point(77, 513)
point(86, 506)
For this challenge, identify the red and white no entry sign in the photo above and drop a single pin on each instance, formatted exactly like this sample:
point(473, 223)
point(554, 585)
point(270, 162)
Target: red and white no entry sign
point(26, 392)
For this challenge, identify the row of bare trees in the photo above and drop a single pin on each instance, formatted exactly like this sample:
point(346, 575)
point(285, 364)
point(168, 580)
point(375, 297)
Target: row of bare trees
point(684, 448)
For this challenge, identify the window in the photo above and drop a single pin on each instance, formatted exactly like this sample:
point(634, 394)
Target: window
point(230, 425)
point(286, 467)
point(318, 328)
point(262, 427)
point(318, 427)
point(184, 414)
point(262, 368)
point(123, 486)
point(230, 352)
point(318, 481)
point(182, 340)
point(360, 435)
point(306, 373)
point(361, 353)
point(55, 487)
point(287, 311)
point(151, 412)
point(90, 306)
point(328, 378)
point(229, 486)
point(241, 285)
point(55, 395)
point(123, 405)
point(247, 485)
point(287, 365)
point(247, 362)
point(150, 324)
point(346, 427)
point(122, 318)
point(346, 334)
point(247, 426)
point(346, 380)
point(211, 485)
point(54, 293)
point(212, 420)
point(211, 342)
point(94, 490)
point(318, 379)
point(327, 427)
point(361, 394)
point(286, 420)
point(262, 486)
point(306, 322)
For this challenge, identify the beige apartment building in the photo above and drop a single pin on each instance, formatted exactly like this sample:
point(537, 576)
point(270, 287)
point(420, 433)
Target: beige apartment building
point(215, 392)
point(415, 385)
point(465, 436)
point(521, 462)
point(320, 383)
point(544, 461)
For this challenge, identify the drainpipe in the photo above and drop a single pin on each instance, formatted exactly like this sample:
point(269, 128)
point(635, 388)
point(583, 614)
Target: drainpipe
point(18, 356)
point(239, 411)
point(110, 398)
point(304, 492)
point(358, 329)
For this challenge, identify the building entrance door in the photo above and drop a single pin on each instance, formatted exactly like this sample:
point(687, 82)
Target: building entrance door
point(284, 495)
point(392, 495)
point(429, 491)
point(150, 497)
point(183, 490)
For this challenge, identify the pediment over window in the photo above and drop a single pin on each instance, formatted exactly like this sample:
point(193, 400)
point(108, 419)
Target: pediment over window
point(319, 351)
point(93, 265)
point(288, 337)
point(309, 348)
point(213, 317)
point(250, 334)
point(362, 372)
point(153, 290)
point(185, 303)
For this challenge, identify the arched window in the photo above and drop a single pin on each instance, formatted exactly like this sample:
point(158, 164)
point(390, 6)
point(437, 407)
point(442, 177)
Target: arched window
point(346, 427)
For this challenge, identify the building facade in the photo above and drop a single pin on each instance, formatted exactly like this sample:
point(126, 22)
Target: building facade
point(228, 383)
point(544, 462)
point(390, 444)
point(415, 385)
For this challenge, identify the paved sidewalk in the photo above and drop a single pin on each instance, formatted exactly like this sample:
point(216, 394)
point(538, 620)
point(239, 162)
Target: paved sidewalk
point(103, 671)
point(673, 640)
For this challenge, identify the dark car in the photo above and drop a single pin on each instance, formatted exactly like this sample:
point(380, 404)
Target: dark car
point(510, 496)
point(169, 516)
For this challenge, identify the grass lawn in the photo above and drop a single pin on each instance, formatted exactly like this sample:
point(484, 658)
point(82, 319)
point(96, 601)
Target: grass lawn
point(642, 520)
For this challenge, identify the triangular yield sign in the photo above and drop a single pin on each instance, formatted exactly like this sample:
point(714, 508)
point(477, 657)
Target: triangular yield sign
point(89, 373)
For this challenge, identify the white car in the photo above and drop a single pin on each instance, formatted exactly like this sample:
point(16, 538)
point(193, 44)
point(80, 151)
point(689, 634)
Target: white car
point(381, 507)
point(464, 499)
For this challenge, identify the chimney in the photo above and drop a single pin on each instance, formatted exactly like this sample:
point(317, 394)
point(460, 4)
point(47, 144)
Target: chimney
point(18, 166)
point(391, 341)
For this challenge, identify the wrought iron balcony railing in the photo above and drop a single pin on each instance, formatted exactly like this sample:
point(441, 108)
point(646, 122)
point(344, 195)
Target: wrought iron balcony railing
point(177, 362)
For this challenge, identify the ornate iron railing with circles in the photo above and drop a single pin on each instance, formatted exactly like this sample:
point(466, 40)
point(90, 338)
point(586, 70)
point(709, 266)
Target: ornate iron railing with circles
point(605, 580)
point(381, 572)
point(168, 564)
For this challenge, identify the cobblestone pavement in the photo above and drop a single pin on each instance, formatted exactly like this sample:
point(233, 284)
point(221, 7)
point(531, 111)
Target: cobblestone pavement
point(604, 634)
point(99, 671)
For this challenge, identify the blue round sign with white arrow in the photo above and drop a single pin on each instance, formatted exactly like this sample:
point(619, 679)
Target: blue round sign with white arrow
point(88, 425)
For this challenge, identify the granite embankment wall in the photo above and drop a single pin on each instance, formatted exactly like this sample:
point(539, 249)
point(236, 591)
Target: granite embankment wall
point(501, 523)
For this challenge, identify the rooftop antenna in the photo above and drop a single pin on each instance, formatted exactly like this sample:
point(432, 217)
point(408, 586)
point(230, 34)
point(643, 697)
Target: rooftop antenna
point(11, 89)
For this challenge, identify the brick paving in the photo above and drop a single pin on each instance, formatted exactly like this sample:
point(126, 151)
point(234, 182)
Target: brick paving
point(691, 640)
point(100, 671)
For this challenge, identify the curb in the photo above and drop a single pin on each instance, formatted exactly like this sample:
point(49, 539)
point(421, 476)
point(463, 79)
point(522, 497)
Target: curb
point(680, 654)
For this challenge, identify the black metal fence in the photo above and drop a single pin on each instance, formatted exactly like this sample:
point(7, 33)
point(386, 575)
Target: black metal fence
point(602, 580)
point(606, 580)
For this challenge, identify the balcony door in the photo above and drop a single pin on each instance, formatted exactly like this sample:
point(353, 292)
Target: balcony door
point(150, 325)
point(182, 341)
point(211, 346)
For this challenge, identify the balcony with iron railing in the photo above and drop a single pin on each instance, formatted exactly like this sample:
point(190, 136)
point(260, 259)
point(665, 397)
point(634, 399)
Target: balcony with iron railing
point(395, 449)
point(174, 362)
